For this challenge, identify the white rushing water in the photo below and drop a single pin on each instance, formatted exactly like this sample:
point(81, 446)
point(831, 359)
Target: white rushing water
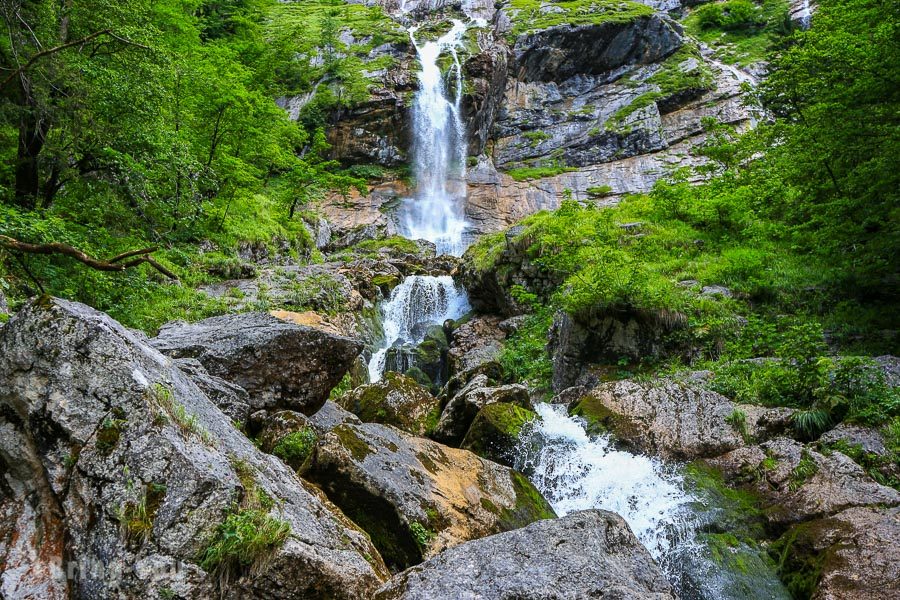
point(414, 305)
point(435, 213)
point(576, 471)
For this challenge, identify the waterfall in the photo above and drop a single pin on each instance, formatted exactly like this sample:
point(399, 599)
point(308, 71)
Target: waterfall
point(414, 305)
point(805, 15)
point(435, 213)
point(575, 471)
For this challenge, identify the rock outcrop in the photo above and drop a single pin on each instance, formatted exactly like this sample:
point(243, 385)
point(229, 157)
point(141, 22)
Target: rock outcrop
point(121, 477)
point(564, 51)
point(280, 364)
point(460, 411)
point(669, 418)
point(415, 497)
point(395, 400)
point(607, 337)
point(589, 554)
point(796, 483)
point(475, 342)
point(853, 555)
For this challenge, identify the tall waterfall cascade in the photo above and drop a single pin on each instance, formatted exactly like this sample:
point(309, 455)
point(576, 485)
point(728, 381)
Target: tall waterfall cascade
point(435, 212)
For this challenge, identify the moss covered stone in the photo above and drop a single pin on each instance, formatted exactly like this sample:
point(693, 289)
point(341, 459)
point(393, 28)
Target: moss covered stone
point(530, 505)
point(494, 434)
point(396, 400)
point(598, 418)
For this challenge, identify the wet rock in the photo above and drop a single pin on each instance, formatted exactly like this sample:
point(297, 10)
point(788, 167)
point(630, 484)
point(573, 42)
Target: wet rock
point(332, 415)
point(588, 554)
point(607, 337)
point(280, 364)
point(797, 483)
point(495, 431)
point(460, 411)
point(395, 400)
point(115, 462)
point(229, 398)
point(416, 497)
point(853, 555)
point(561, 52)
point(475, 342)
point(664, 417)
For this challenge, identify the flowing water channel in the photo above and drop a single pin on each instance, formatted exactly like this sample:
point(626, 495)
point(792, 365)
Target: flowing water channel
point(574, 470)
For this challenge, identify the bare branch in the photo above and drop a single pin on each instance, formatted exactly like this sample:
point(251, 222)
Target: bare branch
point(114, 264)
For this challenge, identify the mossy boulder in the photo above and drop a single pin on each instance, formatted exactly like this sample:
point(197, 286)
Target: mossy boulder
point(396, 400)
point(853, 554)
point(460, 411)
point(494, 434)
point(415, 497)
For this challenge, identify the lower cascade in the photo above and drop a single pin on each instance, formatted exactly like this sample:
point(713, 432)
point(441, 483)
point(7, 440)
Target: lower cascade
point(415, 305)
point(576, 471)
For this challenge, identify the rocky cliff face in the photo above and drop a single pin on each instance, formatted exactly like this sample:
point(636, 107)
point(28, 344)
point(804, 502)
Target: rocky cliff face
point(560, 100)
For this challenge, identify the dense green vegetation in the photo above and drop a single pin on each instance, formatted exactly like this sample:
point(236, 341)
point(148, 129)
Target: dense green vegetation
point(740, 31)
point(129, 125)
point(532, 15)
point(798, 222)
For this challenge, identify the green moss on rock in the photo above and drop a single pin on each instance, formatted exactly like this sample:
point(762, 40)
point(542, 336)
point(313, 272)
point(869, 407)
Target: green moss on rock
point(495, 431)
point(358, 448)
point(532, 15)
point(396, 400)
point(295, 448)
point(530, 505)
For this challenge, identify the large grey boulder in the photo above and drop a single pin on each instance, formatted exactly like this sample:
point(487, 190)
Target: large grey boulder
point(416, 497)
point(279, 363)
point(460, 411)
point(120, 474)
point(795, 483)
point(588, 554)
point(669, 418)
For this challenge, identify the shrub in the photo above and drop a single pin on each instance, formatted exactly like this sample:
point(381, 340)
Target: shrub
point(296, 447)
point(731, 15)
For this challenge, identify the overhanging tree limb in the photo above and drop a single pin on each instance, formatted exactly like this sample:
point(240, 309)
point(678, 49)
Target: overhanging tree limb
point(117, 263)
point(72, 44)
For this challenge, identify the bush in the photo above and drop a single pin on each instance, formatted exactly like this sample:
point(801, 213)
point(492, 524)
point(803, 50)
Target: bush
point(296, 447)
point(731, 15)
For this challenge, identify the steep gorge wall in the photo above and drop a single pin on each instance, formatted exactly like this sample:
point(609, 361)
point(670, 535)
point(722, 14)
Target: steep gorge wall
point(595, 109)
